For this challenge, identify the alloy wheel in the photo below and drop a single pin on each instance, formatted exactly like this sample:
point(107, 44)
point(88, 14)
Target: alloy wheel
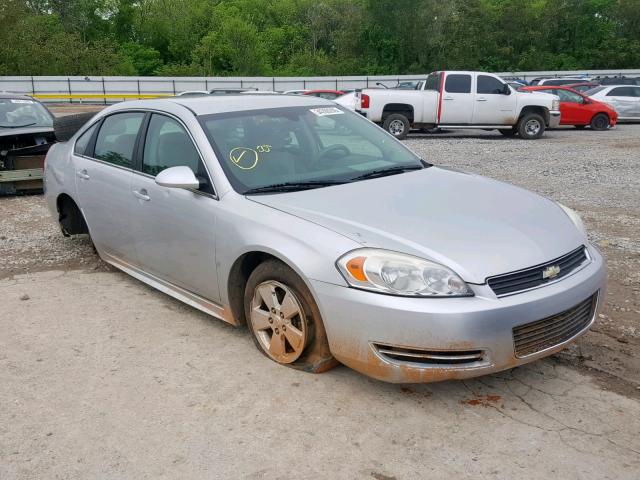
point(396, 127)
point(278, 322)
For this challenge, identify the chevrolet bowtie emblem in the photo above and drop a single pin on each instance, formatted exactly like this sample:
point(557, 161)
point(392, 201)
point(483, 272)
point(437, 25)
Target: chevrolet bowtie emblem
point(551, 272)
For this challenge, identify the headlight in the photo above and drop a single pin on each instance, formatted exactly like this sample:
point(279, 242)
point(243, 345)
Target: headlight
point(575, 218)
point(400, 274)
point(555, 105)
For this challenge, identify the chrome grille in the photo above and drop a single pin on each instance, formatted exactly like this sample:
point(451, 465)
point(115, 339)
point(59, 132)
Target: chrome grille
point(537, 336)
point(429, 357)
point(514, 282)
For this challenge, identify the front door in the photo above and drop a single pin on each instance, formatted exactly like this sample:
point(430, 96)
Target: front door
point(103, 176)
point(173, 228)
point(494, 102)
point(456, 99)
point(572, 109)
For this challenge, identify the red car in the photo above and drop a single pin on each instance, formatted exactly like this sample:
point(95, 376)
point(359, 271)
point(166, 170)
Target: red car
point(328, 94)
point(578, 109)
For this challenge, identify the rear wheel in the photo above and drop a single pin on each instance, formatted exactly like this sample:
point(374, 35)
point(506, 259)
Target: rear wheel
point(600, 122)
point(531, 126)
point(397, 125)
point(70, 218)
point(284, 319)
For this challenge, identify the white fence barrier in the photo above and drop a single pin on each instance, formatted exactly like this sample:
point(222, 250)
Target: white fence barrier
point(74, 87)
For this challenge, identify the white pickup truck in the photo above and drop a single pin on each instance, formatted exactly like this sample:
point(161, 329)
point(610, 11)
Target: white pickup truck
point(457, 99)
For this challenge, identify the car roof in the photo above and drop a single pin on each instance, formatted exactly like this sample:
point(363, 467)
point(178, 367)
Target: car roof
point(227, 103)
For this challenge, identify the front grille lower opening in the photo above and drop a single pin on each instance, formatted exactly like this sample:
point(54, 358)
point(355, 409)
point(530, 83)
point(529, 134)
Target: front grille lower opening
point(430, 357)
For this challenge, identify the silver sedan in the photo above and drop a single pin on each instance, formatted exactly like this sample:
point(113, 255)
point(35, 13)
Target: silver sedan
point(326, 237)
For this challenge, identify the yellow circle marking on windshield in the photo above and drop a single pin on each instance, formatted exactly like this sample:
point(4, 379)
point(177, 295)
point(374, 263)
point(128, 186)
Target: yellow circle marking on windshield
point(244, 157)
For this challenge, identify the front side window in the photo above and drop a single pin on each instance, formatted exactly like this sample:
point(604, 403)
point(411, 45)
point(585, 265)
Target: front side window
point(167, 144)
point(268, 147)
point(23, 112)
point(567, 96)
point(489, 85)
point(458, 83)
point(117, 138)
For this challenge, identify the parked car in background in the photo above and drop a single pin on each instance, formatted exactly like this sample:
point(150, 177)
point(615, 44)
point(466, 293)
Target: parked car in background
point(460, 99)
point(625, 99)
point(327, 237)
point(582, 86)
point(215, 91)
point(349, 100)
point(26, 133)
point(328, 94)
point(296, 92)
point(578, 109)
point(621, 80)
point(565, 80)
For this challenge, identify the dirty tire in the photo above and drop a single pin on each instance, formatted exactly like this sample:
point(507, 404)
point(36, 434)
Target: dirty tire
point(531, 126)
point(65, 127)
point(397, 125)
point(599, 122)
point(315, 356)
point(508, 132)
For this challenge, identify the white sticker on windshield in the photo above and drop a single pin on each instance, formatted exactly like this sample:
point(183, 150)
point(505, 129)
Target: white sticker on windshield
point(323, 112)
point(21, 101)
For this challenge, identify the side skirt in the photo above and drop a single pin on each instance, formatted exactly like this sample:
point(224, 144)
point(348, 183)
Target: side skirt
point(185, 296)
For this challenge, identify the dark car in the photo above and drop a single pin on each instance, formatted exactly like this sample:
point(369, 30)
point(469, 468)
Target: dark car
point(26, 133)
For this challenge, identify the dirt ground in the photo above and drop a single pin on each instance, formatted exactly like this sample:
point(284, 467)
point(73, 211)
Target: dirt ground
point(104, 377)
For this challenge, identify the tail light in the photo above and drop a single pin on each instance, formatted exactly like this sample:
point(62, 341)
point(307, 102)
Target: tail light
point(364, 100)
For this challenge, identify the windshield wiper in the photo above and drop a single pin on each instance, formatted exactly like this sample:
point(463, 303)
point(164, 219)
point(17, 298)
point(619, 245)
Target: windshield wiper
point(18, 126)
point(383, 172)
point(293, 186)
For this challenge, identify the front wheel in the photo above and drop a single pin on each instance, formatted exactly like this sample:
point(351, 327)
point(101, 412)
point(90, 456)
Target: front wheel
point(284, 319)
point(599, 122)
point(397, 125)
point(531, 126)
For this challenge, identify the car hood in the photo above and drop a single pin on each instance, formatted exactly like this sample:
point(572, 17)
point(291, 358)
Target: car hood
point(477, 226)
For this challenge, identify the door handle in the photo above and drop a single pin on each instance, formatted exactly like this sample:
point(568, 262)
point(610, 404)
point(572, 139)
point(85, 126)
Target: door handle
point(448, 98)
point(142, 194)
point(481, 99)
point(83, 174)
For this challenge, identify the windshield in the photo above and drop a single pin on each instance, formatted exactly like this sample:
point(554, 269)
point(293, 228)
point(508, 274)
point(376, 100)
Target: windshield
point(294, 145)
point(16, 113)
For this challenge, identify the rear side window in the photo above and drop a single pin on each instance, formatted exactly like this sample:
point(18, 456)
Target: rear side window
point(489, 85)
point(117, 138)
point(83, 141)
point(621, 92)
point(458, 83)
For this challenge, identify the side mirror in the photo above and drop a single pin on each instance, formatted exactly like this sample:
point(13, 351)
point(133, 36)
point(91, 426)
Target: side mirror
point(178, 177)
point(506, 89)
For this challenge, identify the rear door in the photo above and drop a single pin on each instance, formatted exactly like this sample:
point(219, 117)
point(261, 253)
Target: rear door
point(456, 99)
point(624, 100)
point(103, 159)
point(173, 229)
point(492, 105)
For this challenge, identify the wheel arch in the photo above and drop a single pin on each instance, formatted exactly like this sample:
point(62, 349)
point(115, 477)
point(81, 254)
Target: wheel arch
point(540, 110)
point(402, 108)
point(70, 215)
point(240, 272)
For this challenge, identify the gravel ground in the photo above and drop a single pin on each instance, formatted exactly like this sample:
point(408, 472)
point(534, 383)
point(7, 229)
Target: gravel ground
point(104, 377)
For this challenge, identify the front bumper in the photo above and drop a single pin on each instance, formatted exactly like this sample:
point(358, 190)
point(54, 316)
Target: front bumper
point(554, 118)
point(357, 320)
